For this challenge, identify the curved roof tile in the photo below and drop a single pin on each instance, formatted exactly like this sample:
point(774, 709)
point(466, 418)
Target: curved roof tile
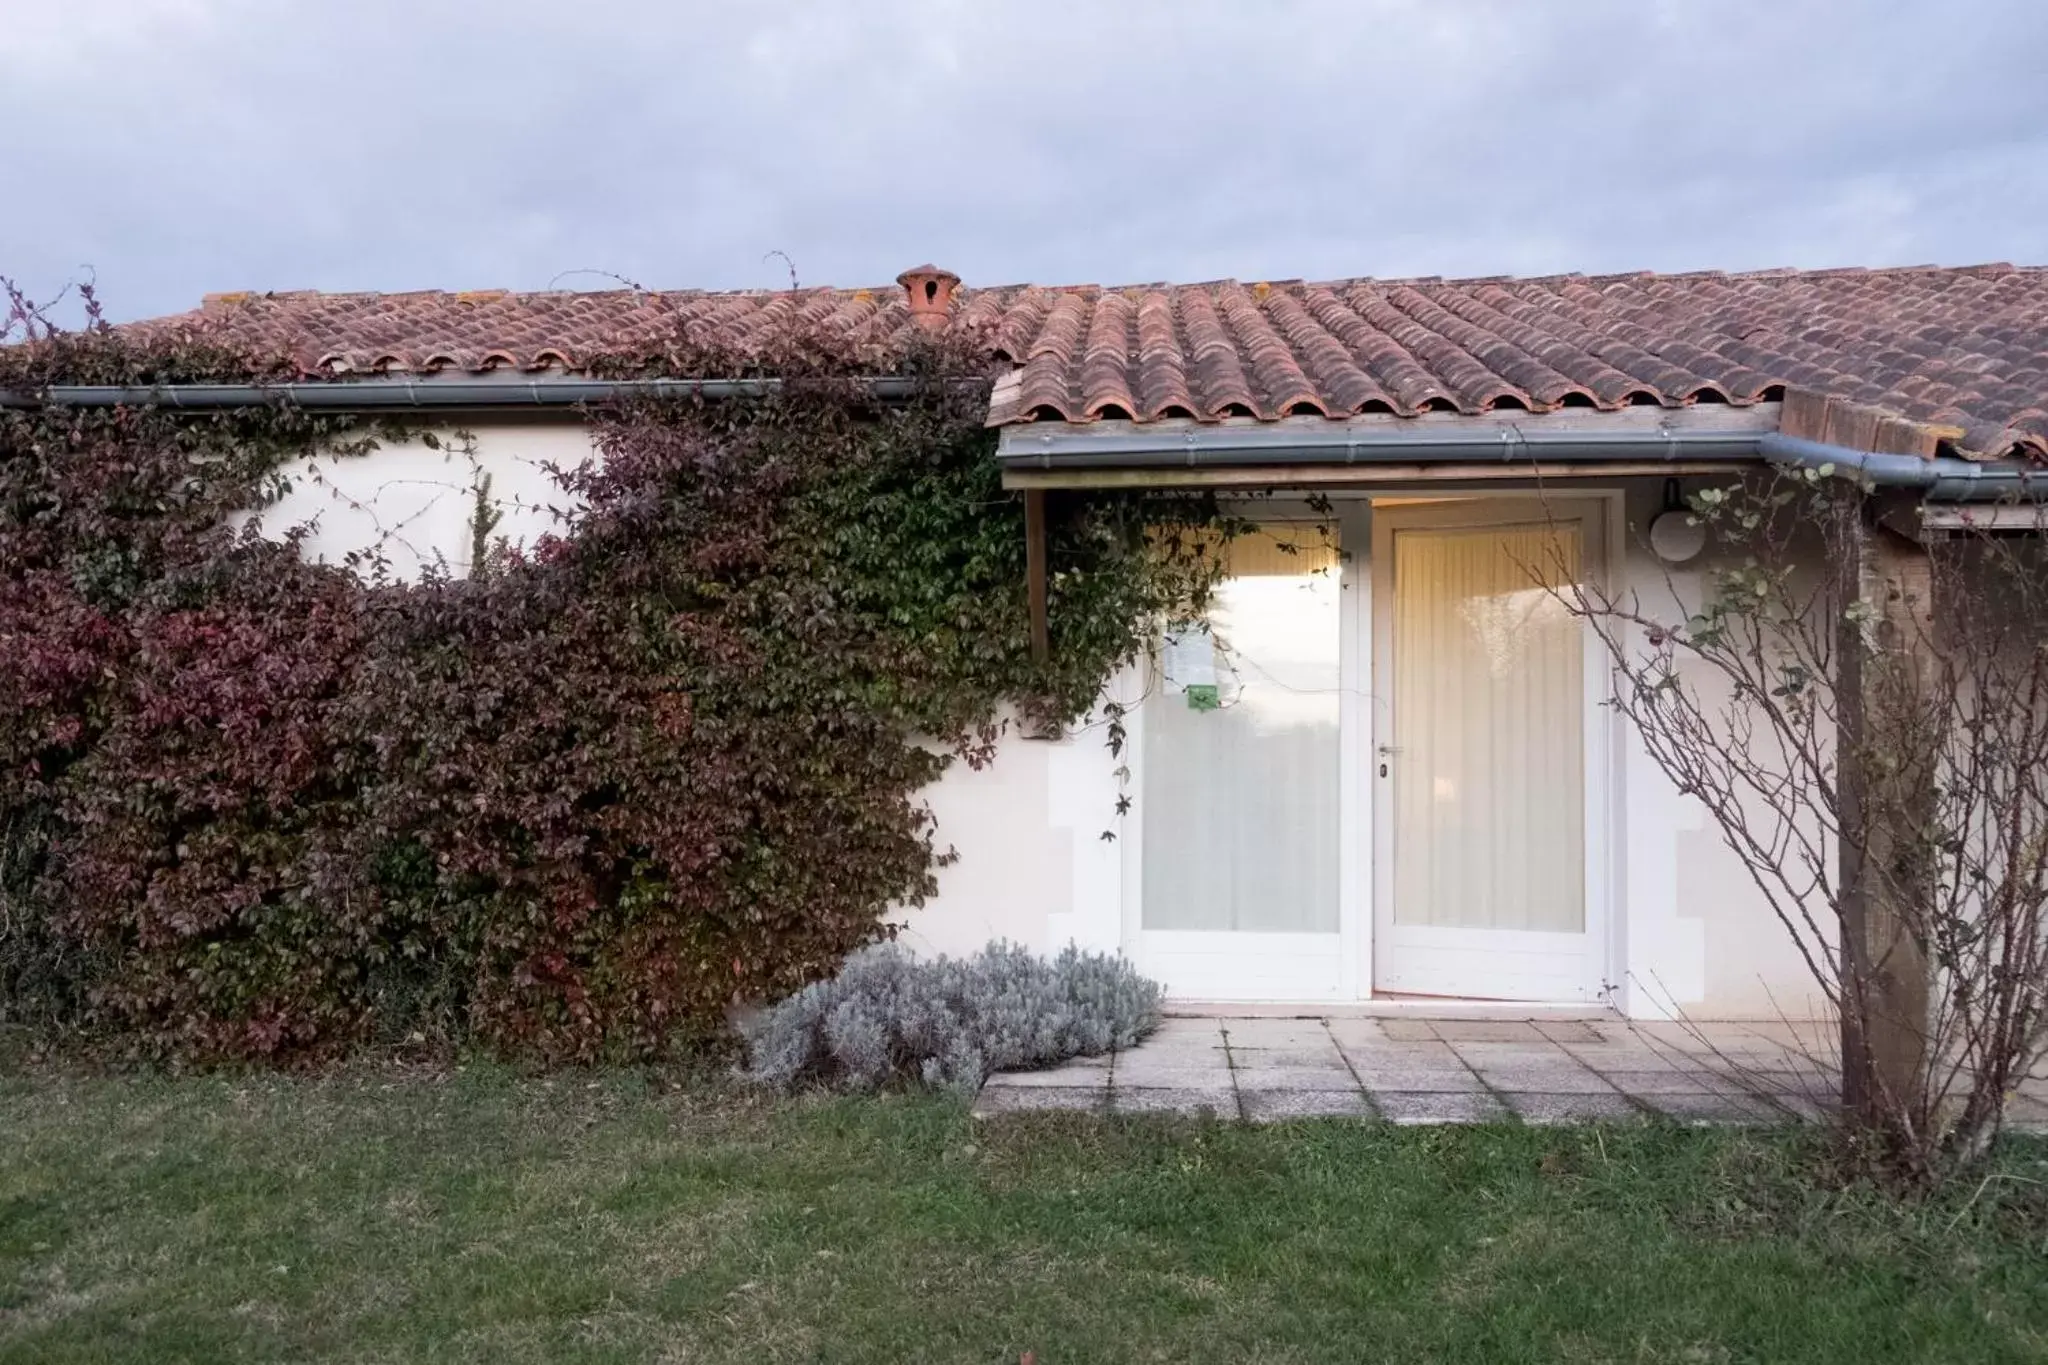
point(1967, 347)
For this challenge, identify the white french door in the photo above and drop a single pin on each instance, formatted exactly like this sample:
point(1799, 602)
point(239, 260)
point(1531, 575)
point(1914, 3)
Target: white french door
point(1483, 728)
point(1241, 768)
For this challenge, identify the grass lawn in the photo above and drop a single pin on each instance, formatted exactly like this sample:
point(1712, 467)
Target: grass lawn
point(478, 1216)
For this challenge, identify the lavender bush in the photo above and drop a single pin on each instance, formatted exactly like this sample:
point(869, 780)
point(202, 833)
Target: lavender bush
point(949, 1022)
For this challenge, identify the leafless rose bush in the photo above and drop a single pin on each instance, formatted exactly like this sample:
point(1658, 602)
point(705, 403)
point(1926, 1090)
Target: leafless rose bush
point(1864, 714)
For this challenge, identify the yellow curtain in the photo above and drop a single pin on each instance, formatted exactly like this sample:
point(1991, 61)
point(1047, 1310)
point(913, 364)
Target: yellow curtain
point(1488, 718)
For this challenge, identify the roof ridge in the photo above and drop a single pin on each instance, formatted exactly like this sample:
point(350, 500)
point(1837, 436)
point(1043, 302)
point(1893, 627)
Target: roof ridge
point(237, 298)
point(1950, 347)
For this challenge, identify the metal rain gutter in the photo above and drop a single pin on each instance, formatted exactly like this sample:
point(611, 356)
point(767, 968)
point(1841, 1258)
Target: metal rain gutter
point(384, 395)
point(1944, 478)
point(1151, 446)
point(1696, 435)
point(1414, 441)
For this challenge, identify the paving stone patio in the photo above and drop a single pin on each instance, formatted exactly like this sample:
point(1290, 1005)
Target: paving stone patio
point(1413, 1070)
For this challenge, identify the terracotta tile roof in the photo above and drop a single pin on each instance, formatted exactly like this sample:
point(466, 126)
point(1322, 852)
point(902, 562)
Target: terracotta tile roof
point(1960, 348)
point(431, 330)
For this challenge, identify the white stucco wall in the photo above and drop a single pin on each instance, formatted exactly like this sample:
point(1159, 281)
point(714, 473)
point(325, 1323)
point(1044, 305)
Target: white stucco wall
point(1038, 844)
point(1694, 935)
point(413, 502)
point(1701, 938)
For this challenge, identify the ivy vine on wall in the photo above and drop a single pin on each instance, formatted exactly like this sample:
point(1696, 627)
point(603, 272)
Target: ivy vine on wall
point(573, 804)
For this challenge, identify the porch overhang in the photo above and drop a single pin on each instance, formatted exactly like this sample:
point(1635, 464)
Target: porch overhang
point(1316, 452)
point(1379, 450)
point(1384, 450)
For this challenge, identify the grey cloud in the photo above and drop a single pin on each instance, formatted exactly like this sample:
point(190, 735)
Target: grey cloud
point(178, 146)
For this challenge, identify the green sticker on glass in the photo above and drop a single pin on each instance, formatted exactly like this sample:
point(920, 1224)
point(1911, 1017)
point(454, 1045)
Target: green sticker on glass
point(1203, 697)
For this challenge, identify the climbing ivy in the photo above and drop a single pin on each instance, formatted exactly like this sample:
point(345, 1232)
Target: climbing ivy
point(573, 804)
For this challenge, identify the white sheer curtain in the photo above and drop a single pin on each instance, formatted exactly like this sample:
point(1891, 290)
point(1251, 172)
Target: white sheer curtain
point(1240, 801)
point(1488, 717)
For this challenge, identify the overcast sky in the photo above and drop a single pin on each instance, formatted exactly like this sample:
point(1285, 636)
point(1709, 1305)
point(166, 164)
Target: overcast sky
point(180, 146)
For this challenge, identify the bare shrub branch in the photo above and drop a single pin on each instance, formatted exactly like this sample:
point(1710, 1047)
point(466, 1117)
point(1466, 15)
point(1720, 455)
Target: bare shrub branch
point(1866, 721)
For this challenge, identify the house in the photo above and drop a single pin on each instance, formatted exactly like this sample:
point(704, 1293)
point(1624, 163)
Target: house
point(1387, 772)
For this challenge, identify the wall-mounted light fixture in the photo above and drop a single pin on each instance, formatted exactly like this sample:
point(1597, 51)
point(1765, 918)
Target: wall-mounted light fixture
point(1676, 535)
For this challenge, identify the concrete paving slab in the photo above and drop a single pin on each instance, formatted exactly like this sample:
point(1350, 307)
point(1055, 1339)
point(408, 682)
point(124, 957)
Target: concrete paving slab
point(1657, 1033)
point(1612, 1030)
point(1257, 1033)
point(1020, 1099)
point(1802, 1090)
point(1556, 1080)
point(1434, 1080)
point(1172, 1059)
point(1428, 1052)
point(1399, 1106)
point(1488, 1031)
point(1667, 1082)
point(1812, 1108)
point(1174, 1028)
point(1253, 1058)
point(1220, 1101)
point(1699, 1109)
point(2026, 1112)
point(1172, 1078)
point(1334, 1077)
point(1358, 1032)
point(1762, 1040)
point(1537, 1052)
point(1177, 1055)
point(1753, 1064)
point(1553, 1107)
point(1067, 1075)
point(1554, 1070)
point(1267, 1106)
point(1754, 1041)
point(1794, 1068)
point(1621, 1057)
point(1180, 1042)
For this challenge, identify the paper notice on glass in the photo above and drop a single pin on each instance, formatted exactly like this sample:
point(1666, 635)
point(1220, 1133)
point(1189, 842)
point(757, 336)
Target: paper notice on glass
point(1189, 660)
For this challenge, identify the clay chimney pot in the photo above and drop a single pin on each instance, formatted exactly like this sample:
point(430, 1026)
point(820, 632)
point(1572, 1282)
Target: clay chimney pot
point(930, 291)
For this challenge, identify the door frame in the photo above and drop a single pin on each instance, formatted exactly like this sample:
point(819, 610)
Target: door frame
point(1361, 863)
point(1203, 960)
point(1602, 510)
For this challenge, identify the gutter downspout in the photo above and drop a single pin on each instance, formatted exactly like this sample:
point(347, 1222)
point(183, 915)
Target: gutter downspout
point(1944, 478)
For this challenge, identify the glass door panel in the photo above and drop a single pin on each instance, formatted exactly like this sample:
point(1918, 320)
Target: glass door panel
point(1487, 752)
point(1240, 778)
